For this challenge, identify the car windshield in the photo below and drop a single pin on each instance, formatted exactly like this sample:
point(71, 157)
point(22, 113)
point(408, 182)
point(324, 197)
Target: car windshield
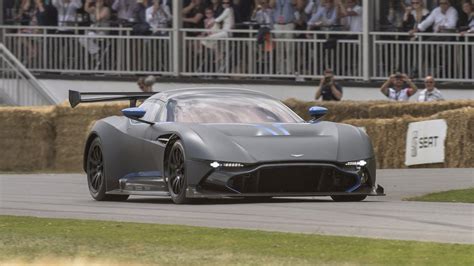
point(230, 108)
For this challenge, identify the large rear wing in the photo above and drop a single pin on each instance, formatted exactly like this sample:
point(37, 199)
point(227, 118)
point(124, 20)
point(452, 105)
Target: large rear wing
point(76, 97)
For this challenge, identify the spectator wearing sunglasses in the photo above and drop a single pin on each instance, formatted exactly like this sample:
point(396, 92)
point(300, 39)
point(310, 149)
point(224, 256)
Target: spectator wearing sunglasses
point(430, 93)
point(414, 15)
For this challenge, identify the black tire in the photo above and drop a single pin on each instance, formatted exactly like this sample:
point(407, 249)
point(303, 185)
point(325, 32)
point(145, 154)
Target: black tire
point(176, 173)
point(96, 174)
point(349, 198)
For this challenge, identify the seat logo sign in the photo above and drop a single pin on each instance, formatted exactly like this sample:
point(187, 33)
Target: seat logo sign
point(425, 142)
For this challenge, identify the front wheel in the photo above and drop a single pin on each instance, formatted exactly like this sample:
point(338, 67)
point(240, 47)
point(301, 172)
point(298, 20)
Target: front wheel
point(349, 198)
point(176, 173)
point(96, 174)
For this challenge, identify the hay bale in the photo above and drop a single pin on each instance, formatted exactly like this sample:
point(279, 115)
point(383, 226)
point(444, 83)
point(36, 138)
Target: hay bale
point(26, 138)
point(389, 138)
point(338, 111)
point(398, 109)
point(72, 127)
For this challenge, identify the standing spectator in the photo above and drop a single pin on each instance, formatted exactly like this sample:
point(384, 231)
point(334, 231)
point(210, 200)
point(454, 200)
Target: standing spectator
point(216, 7)
point(312, 7)
point(284, 17)
point(124, 9)
point(99, 14)
point(327, 15)
point(430, 93)
point(441, 18)
point(414, 15)
point(46, 14)
point(141, 83)
point(158, 17)
point(193, 16)
point(140, 26)
point(26, 13)
point(395, 14)
point(67, 12)
point(328, 88)
point(263, 14)
point(353, 15)
point(468, 25)
point(398, 92)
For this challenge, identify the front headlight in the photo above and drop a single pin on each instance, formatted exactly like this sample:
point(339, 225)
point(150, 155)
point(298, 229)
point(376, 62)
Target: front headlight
point(226, 164)
point(360, 163)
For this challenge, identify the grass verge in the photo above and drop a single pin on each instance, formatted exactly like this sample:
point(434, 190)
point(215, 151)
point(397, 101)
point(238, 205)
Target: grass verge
point(460, 195)
point(28, 239)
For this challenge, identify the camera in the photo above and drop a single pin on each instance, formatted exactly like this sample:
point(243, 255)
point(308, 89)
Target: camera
point(327, 79)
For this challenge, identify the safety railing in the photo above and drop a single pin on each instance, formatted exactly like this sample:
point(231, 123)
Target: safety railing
point(242, 53)
point(446, 56)
point(89, 50)
point(18, 86)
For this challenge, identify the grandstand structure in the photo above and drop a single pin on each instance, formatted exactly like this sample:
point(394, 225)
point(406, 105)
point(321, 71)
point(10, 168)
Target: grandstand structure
point(369, 55)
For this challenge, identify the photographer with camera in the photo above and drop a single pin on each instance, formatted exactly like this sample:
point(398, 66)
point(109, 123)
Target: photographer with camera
point(398, 92)
point(328, 88)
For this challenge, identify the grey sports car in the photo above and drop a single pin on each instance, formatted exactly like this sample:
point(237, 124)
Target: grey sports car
point(219, 143)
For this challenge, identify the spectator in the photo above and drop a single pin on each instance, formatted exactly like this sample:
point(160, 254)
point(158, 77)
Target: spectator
point(442, 18)
point(395, 14)
point(430, 93)
point(99, 14)
point(353, 15)
point(468, 26)
point(124, 9)
point(227, 20)
point(398, 92)
point(414, 15)
point(326, 16)
point(193, 15)
point(158, 17)
point(328, 88)
point(141, 83)
point(46, 14)
point(301, 17)
point(263, 14)
point(242, 10)
point(216, 7)
point(312, 7)
point(140, 27)
point(284, 17)
point(26, 13)
point(67, 12)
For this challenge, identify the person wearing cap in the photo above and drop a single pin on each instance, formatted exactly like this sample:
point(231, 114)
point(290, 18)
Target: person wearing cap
point(430, 93)
point(398, 92)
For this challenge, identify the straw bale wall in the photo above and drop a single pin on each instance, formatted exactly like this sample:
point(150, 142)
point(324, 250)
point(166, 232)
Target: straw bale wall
point(26, 138)
point(52, 138)
point(389, 138)
point(71, 131)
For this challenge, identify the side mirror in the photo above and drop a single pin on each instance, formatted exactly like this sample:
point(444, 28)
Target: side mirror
point(134, 112)
point(316, 112)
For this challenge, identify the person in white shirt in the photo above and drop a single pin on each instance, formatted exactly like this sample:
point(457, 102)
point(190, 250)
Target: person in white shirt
point(124, 9)
point(398, 92)
point(226, 20)
point(430, 93)
point(158, 16)
point(441, 18)
point(327, 15)
point(312, 7)
point(67, 10)
point(352, 15)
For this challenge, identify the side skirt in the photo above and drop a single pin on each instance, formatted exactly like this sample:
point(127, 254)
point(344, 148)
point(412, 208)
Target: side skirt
point(142, 183)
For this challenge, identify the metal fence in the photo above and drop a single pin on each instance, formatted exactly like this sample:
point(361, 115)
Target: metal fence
point(447, 57)
point(89, 50)
point(18, 86)
point(241, 53)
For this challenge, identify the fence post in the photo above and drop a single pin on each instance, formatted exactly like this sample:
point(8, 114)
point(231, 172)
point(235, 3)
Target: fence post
point(365, 40)
point(177, 38)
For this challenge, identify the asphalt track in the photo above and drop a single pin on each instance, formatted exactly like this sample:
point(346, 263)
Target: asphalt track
point(67, 196)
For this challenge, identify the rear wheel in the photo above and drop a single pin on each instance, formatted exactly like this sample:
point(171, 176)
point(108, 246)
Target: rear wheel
point(176, 173)
point(349, 198)
point(96, 174)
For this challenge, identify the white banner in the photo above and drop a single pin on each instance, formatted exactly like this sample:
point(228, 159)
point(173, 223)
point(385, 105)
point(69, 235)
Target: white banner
point(425, 142)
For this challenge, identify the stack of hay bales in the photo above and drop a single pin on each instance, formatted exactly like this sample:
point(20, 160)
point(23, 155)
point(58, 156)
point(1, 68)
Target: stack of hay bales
point(389, 138)
point(72, 128)
point(26, 138)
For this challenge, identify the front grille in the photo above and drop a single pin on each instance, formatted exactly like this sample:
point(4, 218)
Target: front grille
point(293, 179)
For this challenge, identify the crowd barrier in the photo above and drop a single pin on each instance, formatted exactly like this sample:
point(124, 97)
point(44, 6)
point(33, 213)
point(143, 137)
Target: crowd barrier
point(239, 53)
point(52, 138)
